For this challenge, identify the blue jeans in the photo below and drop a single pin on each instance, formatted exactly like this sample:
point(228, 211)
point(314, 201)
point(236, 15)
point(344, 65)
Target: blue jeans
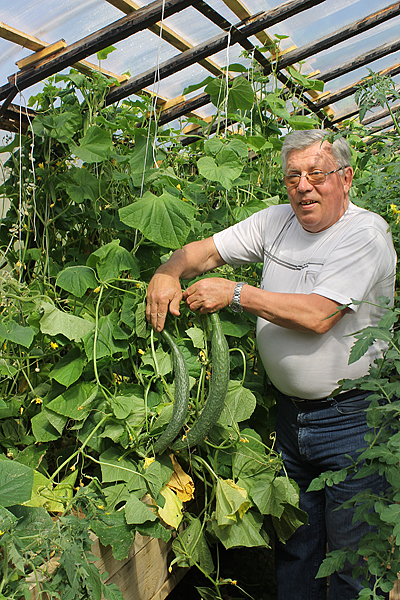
point(313, 442)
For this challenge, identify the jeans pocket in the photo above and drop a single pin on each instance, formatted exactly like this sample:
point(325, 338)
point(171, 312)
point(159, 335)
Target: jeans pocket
point(357, 404)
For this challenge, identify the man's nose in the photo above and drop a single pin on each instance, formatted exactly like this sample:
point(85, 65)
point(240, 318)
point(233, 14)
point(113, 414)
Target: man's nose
point(304, 184)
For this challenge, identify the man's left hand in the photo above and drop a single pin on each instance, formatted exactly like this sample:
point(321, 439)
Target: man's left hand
point(209, 295)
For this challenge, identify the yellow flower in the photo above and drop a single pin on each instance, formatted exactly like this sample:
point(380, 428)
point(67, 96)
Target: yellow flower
point(140, 351)
point(185, 199)
point(41, 166)
point(73, 468)
point(38, 401)
point(54, 345)
point(96, 291)
point(179, 186)
point(148, 460)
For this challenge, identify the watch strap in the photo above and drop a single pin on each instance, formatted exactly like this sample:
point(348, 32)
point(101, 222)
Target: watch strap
point(235, 304)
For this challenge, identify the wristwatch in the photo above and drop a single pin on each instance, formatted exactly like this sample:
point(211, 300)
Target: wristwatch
point(235, 304)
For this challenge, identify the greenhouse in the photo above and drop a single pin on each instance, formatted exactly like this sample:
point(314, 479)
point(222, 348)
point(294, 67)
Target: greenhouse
point(200, 218)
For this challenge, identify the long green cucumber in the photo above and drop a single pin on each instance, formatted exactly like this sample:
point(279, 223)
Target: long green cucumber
point(218, 389)
point(182, 394)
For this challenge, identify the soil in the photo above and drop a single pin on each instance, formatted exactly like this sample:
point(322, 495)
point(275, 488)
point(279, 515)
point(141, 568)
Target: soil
point(252, 568)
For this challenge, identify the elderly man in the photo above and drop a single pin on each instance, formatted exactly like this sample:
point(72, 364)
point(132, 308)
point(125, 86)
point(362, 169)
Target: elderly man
point(319, 252)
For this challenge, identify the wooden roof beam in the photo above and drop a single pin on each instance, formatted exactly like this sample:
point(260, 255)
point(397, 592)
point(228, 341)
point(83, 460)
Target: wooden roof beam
point(209, 47)
point(360, 61)
point(119, 30)
point(167, 34)
point(340, 35)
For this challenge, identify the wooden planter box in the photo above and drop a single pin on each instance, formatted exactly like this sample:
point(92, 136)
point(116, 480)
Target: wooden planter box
point(143, 575)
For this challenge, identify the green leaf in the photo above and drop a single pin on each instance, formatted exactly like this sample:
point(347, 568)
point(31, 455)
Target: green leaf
point(75, 402)
point(16, 482)
point(165, 219)
point(240, 404)
point(112, 260)
point(95, 145)
point(225, 168)
point(190, 547)
point(55, 321)
point(241, 95)
point(164, 361)
point(231, 502)
point(121, 406)
point(197, 336)
point(245, 532)
point(102, 54)
point(116, 467)
point(302, 122)
point(10, 330)
point(197, 86)
point(291, 519)
point(43, 430)
point(80, 185)
point(107, 342)
point(140, 320)
point(77, 280)
point(333, 562)
point(113, 530)
point(69, 368)
point(137, 512)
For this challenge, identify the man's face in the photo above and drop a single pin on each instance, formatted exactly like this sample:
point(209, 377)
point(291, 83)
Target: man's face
point(317, 207)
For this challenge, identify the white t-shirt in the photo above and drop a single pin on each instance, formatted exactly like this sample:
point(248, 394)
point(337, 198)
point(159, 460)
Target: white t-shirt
point(354, 259)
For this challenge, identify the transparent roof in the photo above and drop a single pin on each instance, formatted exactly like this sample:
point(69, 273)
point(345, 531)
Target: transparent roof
point(34, 24)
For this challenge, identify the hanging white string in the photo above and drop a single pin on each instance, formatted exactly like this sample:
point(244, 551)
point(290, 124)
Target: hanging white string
point(227, 79)
point(153, 109)
point(31, 158)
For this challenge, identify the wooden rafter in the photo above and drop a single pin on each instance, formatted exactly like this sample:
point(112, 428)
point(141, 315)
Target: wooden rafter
point(345, 33)
point(121, 29)
point(167, 34)
point(209, 47)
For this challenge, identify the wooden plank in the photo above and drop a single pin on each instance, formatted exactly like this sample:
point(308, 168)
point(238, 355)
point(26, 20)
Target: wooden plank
point(22, 39)
point(167, 34)
point(30, 60)
point(340, 35)
point(209, 47)
point(360, 61)
point(119, 30)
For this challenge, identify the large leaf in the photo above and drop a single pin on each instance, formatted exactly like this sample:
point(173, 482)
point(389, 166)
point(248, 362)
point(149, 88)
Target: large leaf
point(190, 547)
point(10, 330)
point(77, 280)
point(232, 502)
point(69, 368)
point(111, 260)
point(16, 481)
point(241, 95)
point(43, 430)
point(225, 168)
point(244, 532)
point(112, 529)
point(142, 157)
point(165, 219)
point(95, 145)
point(81, 185)
point(240, 404)
point(137, 512)
point(75, 402)
point(107, 342)
point(55, 321)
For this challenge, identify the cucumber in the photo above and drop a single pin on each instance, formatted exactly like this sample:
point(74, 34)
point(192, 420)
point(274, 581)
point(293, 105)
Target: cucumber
point(218, 389)
point(182, 395)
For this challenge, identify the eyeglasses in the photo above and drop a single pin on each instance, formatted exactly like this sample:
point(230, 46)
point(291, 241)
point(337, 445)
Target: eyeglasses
point(315, 177)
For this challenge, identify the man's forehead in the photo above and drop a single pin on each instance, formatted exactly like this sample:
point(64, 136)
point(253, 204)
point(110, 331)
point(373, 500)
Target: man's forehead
point(314, 155)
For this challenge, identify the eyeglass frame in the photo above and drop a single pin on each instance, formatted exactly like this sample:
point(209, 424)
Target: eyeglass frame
point(307, 175)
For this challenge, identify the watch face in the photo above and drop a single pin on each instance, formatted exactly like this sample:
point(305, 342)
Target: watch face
point(236, 307)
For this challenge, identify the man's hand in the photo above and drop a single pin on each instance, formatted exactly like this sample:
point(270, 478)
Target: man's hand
point(209, 295)
point(164, 293)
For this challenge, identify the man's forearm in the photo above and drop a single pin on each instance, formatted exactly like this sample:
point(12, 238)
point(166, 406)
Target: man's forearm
point(192, 260)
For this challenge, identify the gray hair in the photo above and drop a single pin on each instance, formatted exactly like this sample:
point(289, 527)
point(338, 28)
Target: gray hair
point(302, 139)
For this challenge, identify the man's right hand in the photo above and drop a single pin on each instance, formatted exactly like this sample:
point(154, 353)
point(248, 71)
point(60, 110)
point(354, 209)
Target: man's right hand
point(164, 293)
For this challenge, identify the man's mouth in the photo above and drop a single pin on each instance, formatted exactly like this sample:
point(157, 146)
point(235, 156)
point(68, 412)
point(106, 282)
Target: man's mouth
point(307, 202)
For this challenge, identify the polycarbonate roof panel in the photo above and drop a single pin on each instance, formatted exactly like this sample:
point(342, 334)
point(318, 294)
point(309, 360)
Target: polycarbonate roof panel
point(72, 20)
